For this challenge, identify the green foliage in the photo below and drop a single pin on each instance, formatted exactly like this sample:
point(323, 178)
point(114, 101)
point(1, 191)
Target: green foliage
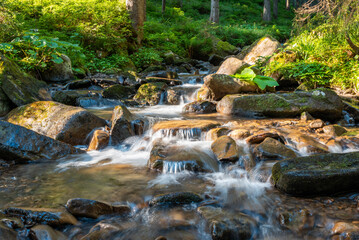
point(114, 62)
point(261, 81)
point(145, 57)
point(9, 27)
point(37, 53)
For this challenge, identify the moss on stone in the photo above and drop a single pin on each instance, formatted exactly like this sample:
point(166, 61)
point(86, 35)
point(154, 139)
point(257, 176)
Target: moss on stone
point(150, 93)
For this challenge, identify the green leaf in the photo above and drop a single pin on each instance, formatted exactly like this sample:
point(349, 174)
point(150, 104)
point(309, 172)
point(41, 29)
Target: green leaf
point(56, 59)
point(263, 82)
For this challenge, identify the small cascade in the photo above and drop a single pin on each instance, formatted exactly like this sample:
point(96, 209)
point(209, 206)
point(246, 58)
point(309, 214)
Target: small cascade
point(175, 167)
point(192, 134)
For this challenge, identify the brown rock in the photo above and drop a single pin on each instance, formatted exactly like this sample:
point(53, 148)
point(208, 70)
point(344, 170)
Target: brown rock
point(344, 227)
point(226, 149)
point(58, 121)
point(175, 125)
point(264, 47)
point(231, 66)
point(334, 130)
point(239, 134)
point(215, 133)
point(271, 148)
point(200, 107)
point(100, 140)
point(305, 116)
point(44, 232)
point(318, 123)
point(256, 139)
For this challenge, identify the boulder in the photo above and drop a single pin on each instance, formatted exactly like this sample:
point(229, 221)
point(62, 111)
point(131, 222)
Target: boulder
point(346, 228)
point(150, 93)
point(215, 133)
point(179, 158)
point(273, 149)
point(263, 47)
point(231, 66)
point(238, 134)
point(79, 84)
point(220, 85)
point(21, 88)
point(80, 207)
point(5, 104)
point(118, 92)
point(173, 96)
point(51, 217)
point(226, 225)
point(320, 103)
point(71, 97)
point(318, 174)
point(226, 149)
point(59, 72)
point(124, 125)
point(44, 232)
point(315, 124)
point(334, 130)
point(22, 145)
point(99, 140)
point(175, 199)
point(200, 107)
point(58, 121)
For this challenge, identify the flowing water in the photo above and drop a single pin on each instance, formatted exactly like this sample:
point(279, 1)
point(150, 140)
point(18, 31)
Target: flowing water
point(119, 174)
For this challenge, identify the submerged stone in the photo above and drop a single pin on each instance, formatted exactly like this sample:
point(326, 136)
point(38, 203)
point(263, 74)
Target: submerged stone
point(58, 121)
point(21, 88)
point(174, 199)
point(51, 217)
point(317, 175)
point(81, 207)
point(20, 144)
point(320, 103)
point(227, 225)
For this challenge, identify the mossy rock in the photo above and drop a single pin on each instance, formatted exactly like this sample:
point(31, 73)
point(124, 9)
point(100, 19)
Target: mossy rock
point(20, 87)
point(318, 175)
point(174, 199)
point(118, 92)
point(320, 103)
point(223, 49)
point(150, 93)
point(58, 121)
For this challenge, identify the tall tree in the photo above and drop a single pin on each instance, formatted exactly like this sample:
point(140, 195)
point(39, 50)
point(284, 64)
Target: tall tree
point(266, 11)
point(137, 10)
point(214, 17)
point(163, 6)
point(287, 4)
point(275, 9)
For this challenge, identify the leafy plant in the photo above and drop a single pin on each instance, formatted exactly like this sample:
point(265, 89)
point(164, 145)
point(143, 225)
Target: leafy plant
point(261, 81)
point(33, 52)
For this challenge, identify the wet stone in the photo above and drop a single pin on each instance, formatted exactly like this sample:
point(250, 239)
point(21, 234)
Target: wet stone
point(7, 233)
point(80, 207)
point(44, 232)
point(271, 148)
point(305, 116)
point(215, 133)
point(227, 225)
point(51, 217)
point(316, 124)
point(175, 199)
point(100, 140)
point(200, 107)
point(226, 149)
point(334, 130)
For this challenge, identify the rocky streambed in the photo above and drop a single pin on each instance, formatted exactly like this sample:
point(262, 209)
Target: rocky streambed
point(181, 157)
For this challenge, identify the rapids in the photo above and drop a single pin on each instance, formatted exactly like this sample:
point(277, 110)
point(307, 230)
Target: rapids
point(119, 174)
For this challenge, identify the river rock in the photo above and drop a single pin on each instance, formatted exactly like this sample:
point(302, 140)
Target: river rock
point(315, 124)
point(220, 85)
point(345, 228)
point(310, 144)
point(175, 199)
point(44, 232)
point(51, 217)
point(100, 140)
point(7, 233)
point(118, 92)
point(238, 134)
point(59, 72)
point(318, 174)
point(21, 88)
point(273, 149)
point(124, 124)
point(173, 96)
point(263, 47)
point(150, 93)
point(5, 104)
point(79, 84)
point(200, 107)
point(81, 207)
point(227, 225)
point(334, 130)
point(194, 127)
point(215, 133)
point(260, 137)
point(172, 158)
point(226, 149)
point(297, 220)
point(61, 122)
point(231, 66)
point(70, 97)
point(108, 229)
point(305, 116)
point(22, 145)
point(320, 103)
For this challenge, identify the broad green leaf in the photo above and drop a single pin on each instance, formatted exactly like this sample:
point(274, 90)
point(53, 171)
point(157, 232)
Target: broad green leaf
point(263, 82)
point(56, 59)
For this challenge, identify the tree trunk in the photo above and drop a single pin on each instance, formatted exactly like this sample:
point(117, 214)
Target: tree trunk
point(137, 10)
point(287, 4)
point(163, 6)
point(214, 11)
point(275, 9)
point(266, 11)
